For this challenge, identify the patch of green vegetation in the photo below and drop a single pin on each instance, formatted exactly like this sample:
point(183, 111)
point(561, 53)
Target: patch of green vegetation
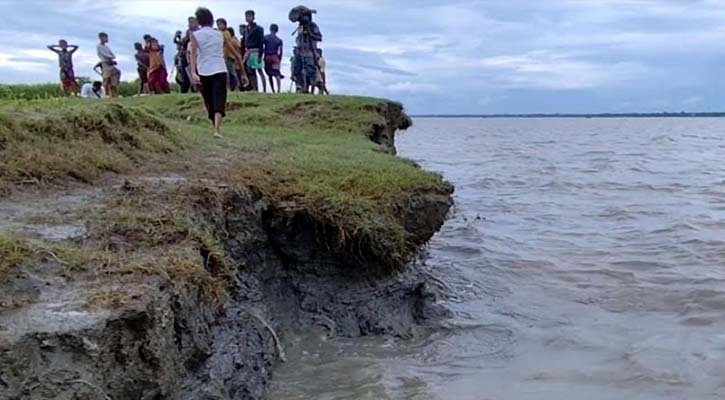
point(139, 235)
point(13, 254)
point(330, 114)
point(53, 90)
point(51, 140)
point(163, 235)
point(313, 153)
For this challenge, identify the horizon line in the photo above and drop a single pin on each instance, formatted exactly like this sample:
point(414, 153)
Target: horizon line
point(669, 114)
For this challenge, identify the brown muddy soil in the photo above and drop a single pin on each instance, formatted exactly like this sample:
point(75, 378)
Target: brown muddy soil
point(164, 341)
point(130, 329)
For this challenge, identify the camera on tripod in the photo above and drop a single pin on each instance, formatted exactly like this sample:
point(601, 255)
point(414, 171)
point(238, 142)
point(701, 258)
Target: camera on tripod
point(301, 15)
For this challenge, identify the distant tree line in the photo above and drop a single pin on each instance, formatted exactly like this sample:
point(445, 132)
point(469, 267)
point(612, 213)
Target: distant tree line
point(51, 90)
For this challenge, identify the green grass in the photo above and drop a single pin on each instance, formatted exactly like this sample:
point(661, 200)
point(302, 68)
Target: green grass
point(311, 152)
point(52, 90)
point(13, 254)
point(56, 139)
point(316, 153)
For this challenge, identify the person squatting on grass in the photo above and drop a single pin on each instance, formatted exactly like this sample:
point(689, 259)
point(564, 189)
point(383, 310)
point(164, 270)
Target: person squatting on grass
point(93, 91)
point(65, 62)
point(208, 69)
point(111, 74)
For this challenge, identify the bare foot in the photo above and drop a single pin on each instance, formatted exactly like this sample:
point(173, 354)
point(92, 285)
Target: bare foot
point(218, 135)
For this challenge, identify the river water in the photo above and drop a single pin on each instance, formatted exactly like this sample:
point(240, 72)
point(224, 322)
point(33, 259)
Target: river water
point(585, 260)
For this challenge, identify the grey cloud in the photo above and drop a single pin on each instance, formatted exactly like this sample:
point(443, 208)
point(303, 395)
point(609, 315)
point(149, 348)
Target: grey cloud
point(36, 60)
point(458, 56)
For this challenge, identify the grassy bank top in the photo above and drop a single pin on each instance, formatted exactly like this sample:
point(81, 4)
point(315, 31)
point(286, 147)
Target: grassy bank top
point(311, 155)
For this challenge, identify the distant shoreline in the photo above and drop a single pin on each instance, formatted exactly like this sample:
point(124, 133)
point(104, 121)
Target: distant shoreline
point(586, 116)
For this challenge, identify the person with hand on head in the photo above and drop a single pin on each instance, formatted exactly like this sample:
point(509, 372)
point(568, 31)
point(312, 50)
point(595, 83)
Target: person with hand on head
point(65, 62)
point(208, 69)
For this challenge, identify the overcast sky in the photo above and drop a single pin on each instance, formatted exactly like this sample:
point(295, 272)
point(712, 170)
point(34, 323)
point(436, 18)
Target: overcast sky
point(452, 56)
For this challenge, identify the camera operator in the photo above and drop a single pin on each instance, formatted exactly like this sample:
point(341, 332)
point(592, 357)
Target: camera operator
point(305, 67)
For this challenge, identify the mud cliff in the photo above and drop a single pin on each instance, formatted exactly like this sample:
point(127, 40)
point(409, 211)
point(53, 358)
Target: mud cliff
point(169, 284)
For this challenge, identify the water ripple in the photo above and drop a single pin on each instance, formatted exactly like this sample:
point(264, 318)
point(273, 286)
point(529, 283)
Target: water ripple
point(585, 260)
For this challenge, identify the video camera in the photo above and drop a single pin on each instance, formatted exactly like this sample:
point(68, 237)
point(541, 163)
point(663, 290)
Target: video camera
point(302, 15)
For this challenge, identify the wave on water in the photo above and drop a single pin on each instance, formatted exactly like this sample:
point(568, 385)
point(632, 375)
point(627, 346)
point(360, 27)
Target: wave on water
point(584, 260)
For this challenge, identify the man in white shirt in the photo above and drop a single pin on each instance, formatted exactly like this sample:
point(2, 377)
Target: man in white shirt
point(111, 74)
point(93, 91)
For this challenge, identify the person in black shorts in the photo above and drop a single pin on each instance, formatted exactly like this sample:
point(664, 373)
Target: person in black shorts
point(208, 68)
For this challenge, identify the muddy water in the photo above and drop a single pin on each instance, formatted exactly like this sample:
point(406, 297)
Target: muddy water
point(585, 260)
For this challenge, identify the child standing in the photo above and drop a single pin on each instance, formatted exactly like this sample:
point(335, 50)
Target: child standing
point(65, 62)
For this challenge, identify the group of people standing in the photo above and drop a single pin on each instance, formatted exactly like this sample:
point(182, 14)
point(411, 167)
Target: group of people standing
point(151, 67)
point(210, 61)
point(249, 47)
point(260, 57)
point(106, 68)
point(216, 61)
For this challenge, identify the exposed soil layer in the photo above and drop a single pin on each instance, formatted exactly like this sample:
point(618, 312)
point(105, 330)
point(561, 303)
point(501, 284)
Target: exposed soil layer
point(211, 324)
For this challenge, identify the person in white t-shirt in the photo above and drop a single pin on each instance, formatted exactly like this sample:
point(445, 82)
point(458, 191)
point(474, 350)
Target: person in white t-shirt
point(207, 68)
point(93, 91)
point(111, 74)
